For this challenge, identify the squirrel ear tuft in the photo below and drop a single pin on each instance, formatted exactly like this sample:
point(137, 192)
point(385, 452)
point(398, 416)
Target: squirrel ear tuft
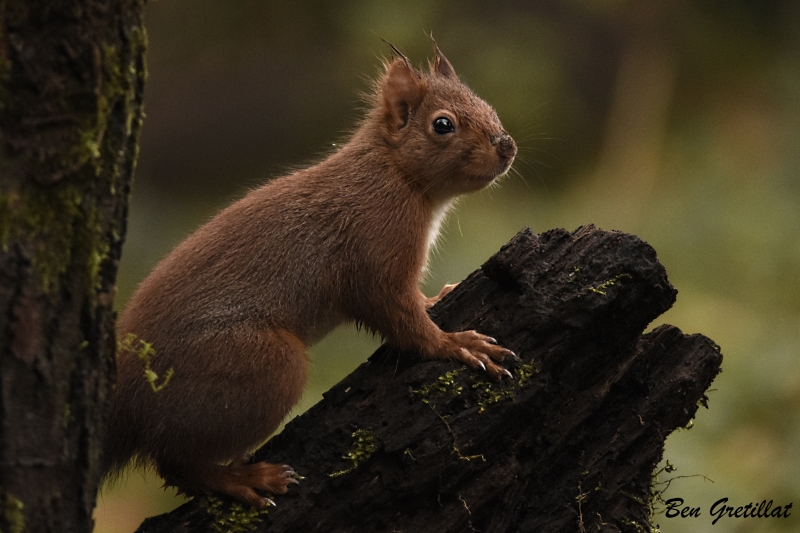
point(401, 91)
point(397, 53)
point(440, 63)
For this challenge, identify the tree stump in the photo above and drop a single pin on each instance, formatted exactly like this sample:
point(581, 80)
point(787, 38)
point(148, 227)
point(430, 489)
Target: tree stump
point(569, 444)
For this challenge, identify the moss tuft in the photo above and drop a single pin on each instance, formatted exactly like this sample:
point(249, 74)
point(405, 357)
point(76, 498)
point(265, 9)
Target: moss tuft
point(233, 517)
point(364, 446)
point(486, 392)
point(145, 352)
point(632, 525)
point(13, 512)
point(444, 384)
point(601, 289)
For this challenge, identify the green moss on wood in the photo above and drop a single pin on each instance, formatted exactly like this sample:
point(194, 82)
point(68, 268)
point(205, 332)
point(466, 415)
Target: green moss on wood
point(13, 512)
point(233, 517)
point(486, 392)
point(364, 445)
point(444, 384)
point(56, 225)
point(632, 525)
point(54, 216)
point(490, 392)
point(601, 289)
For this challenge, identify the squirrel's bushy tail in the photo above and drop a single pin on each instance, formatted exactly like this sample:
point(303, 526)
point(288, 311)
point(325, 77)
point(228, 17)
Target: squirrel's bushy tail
point(119, 446)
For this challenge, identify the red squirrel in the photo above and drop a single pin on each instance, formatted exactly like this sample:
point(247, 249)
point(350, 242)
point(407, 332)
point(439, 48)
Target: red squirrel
point(217, 334)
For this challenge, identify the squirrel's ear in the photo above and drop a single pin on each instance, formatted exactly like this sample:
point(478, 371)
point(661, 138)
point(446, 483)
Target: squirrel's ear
point(402, 90)
point(441, 65)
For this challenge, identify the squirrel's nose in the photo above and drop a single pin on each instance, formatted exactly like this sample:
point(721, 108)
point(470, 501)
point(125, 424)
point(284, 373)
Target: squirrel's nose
point(506, 147)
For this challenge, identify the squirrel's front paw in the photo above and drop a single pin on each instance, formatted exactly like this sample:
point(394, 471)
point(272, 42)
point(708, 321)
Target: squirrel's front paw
point(480, 351)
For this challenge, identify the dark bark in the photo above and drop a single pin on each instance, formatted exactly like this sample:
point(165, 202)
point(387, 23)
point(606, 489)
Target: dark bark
point(570, 444)
point(71, 82)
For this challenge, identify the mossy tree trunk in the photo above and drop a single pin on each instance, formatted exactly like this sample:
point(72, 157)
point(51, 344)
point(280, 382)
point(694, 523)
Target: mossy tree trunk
point(71, 83)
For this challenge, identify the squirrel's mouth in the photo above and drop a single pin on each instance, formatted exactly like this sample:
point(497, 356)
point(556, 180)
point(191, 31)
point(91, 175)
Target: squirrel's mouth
point(507, 166)
point(484, 180)
point(505, 150)
point(506, 159)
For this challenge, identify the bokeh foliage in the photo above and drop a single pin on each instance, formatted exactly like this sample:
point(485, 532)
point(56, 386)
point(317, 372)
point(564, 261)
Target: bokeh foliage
point(676, 120)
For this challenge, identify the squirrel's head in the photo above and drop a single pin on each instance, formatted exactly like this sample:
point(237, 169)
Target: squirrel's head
point(441, 135)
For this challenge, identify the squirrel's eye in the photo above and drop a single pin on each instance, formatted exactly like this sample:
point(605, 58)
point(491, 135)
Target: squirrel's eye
point(442, 126)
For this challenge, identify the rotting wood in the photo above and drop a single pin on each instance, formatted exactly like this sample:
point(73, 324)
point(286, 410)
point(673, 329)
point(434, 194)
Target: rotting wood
point(569, 444)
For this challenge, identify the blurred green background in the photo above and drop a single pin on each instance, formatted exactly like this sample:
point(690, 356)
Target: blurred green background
point(676, 120)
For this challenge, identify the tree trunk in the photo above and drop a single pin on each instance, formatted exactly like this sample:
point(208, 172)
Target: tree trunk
point(71, 81)
point(569, 444)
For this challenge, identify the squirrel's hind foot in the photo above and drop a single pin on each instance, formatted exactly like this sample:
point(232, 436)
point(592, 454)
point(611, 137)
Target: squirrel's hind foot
point(235, 480)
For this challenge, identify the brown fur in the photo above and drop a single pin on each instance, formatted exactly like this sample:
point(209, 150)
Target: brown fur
point(232, 309)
